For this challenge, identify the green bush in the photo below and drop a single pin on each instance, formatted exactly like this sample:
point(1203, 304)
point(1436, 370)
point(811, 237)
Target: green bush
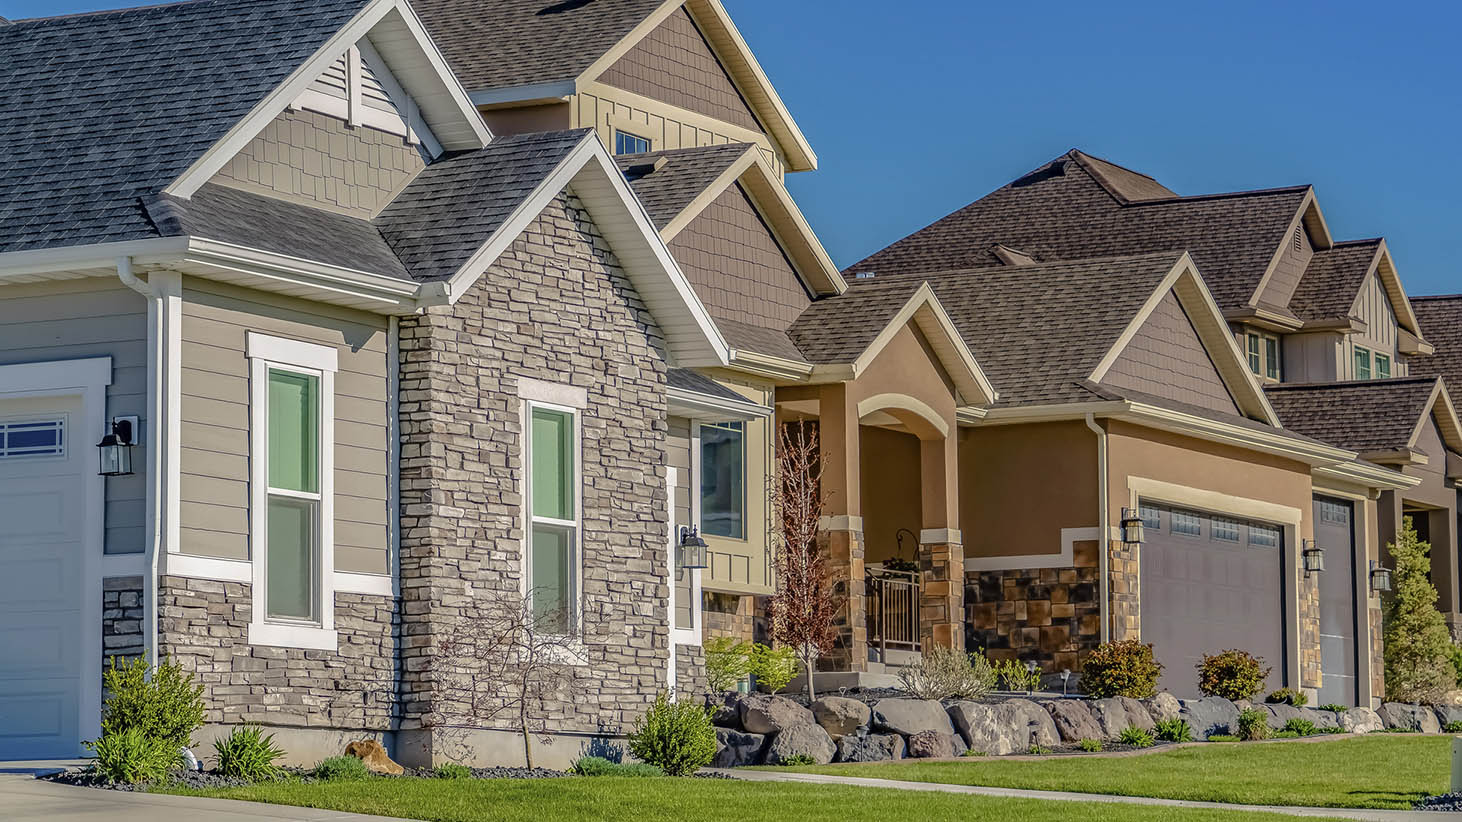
point(1453, 727)
point(1222, 738)
point(1456, 655)
point(1232, 674)
point(599, 766)
point(247, 753)
point(798, 760)
point(1284, 735)
point(1334, 708)
point(973, 752)
point(1301, 726)
point(1287, 696)
point(1124, 668)
point(452, 770)
point(1135, 736)
point(1174, 730)
point(1253, 724)
point(1038, 750)
point(166, 706)
point(728, 661)
point(773, 667)
point(676, 737)
point(1016, 676)
point(945, 673)
point(1418, 647)
point(341, 769)
point(1396, 730)
point(132, 757)
point(1090, 745)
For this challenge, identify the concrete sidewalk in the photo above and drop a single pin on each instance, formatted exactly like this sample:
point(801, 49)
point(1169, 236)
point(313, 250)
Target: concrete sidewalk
point(1061, 796)
point(26, 799)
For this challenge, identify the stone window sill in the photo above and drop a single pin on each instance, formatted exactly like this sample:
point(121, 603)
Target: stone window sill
point(278, 635)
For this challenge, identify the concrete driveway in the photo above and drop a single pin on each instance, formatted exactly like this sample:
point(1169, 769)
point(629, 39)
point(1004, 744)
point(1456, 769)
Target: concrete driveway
point(26, 799)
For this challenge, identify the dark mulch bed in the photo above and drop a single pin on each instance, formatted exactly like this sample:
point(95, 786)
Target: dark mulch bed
point(209, 780)
point(1442, 802)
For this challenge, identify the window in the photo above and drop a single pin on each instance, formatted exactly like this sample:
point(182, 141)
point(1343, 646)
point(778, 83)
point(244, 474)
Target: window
point(1264, 357)
point(1151, 516)
point(32, 438)
point(292, 508)
point(1266, 536)
point(1271, 358)
point(552, 564)
point(626, 143)
point(1225, 529)
point(1362, 363)
point(723, 479)
point(1256, 355)
point(1187, 523)
point(1383, 366)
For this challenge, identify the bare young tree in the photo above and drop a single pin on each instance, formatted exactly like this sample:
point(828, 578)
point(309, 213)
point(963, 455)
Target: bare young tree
point(503, 664)
point(806, 604)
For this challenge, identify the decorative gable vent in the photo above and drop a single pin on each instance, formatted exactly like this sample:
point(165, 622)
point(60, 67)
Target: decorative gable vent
point(359, 88)
point(1299, 239)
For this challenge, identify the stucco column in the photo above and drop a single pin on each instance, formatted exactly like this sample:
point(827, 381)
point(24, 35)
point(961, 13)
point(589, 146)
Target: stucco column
point(941, 547)
point(1442, 527)
point(842, 525)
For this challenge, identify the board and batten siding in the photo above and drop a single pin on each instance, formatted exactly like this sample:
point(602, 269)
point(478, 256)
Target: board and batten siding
point(215, 420)
point(78, 319)
point(1309, 357)
point(1372, 306)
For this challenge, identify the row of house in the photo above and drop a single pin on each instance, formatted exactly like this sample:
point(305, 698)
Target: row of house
point(386, 312)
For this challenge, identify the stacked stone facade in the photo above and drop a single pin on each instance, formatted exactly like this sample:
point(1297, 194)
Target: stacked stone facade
point(1311, 672)
point(555, 307)
point(1124, 580)
point(122, 616)
point(1049, 615)
point(941, 595)
point(733, 615)
point(844, 551)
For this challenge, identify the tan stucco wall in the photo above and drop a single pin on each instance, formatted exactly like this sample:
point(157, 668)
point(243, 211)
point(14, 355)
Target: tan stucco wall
point(1020, 485)
point(891, 479)
point(528, 119)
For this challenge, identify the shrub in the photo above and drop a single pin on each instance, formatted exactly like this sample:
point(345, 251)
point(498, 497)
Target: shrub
point(1253, 724)
point(798, 760)
point(1453, 727)
point(1418, 647)
point(676, 737)
point(1135, 736)
point(1017, 677)
point(728, 661)
point(1284, 735)
point(943, 673)
point(166, 706)
point(1090, 745)
point(1222, 738)
point(246, 753)
point(1456, 655)
point(1038, 750)
point(452, 770)
point(132, 757)
point(1174, 730)
point(773, 667)
point(1301, 726)
point(1397, 730)
point(1287, 696)
point(341, 769)
point(1233, 675)
point(1334, 708)
point(973, 752)
point(1124, 668)
point(599, 766)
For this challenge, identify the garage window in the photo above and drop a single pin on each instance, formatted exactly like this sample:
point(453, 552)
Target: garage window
point(33, 438)
point(1151, 516)
point(1264, 536)
point(1187, 523)
point(1226, 530)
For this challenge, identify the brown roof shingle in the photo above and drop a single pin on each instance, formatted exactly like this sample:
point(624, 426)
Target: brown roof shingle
point(1333, 279)
point(669, 189)
point(1369, 415)
point(1441, 316)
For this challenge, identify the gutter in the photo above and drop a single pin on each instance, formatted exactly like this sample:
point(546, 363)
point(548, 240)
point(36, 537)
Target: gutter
point(1105, 534)
point(156, 350)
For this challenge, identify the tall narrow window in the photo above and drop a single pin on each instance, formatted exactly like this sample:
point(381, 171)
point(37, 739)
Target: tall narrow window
point(1271, 357)
point(293, 517)
point(1383, 367)
point(1256, 355)
point(1362, 363)
point(723, 479)
point(552, 566)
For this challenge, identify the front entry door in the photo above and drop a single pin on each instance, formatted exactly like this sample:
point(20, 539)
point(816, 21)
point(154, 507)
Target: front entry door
point(1335, 534)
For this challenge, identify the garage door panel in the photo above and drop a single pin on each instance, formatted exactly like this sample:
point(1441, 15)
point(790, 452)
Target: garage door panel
point(38, 511)
point(36, 648)
point(32, 583)
point(1338, 661)
point(33, 715)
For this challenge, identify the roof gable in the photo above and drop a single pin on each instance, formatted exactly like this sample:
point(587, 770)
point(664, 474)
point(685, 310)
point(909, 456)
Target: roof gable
point(1383, 420)
point(1167, 358)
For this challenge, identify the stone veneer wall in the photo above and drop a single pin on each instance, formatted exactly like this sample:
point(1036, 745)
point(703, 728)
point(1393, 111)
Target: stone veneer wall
point(1050, 615)
point(555, 307)
point(121, 619)
point(690, 671)
point(1311, 672)
point(204, 627)
point(1378, 647)
point(734, 615)
point(1124, 572)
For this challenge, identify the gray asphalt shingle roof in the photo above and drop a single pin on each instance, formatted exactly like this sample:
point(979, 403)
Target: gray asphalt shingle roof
point(1332, 280)
point(668, 190)
point(687, 380)
point(1442, 319)
point(99, 110)
point(1368, 415)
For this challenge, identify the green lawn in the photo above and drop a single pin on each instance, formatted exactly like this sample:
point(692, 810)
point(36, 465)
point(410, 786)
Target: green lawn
point(618, 799)
point(1376, 771)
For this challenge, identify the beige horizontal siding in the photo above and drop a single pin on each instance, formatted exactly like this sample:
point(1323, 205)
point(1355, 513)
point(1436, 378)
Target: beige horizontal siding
point(215, 407)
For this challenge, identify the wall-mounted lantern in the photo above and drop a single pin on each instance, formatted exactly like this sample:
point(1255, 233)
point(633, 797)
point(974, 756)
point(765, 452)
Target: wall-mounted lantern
point(1313, 556)
point(116, 448)
point(692, 549)
point(1132, 526)
point(1380, 578)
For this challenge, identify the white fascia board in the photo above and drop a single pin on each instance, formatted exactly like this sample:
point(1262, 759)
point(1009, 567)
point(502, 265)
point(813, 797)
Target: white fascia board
point(686, 403)
point(1370, 476)
point(71, 258)
point(423, 71)
point(925, 310)
point(393, 295)
point(1278, 443)
point(533, 93)
point(765, 365)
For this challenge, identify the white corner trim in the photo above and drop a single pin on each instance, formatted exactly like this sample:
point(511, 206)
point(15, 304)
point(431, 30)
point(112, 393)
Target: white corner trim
point(553, 393)
point(292, 352)
point(347, 582)
point(124, 565)
point(279, 635)
point(1065, 559)
point(1140, 488)
point(56, 375)
point(214, 568)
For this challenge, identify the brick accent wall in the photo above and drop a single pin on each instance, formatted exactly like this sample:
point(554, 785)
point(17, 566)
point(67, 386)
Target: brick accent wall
point(555, 307)
point(204, 626)
point(122, 617)
point(1050, 615)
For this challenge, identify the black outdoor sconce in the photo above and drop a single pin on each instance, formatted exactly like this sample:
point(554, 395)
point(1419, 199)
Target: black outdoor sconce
point(1313, 556)
point(1131, 526)
point(1380, 578)
point(692, 549)
point(116, 449)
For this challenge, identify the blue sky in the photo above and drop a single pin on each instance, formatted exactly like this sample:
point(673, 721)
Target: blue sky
point(919, 107)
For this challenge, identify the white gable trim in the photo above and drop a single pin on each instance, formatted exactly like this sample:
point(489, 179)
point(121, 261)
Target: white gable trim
point(1439, 406)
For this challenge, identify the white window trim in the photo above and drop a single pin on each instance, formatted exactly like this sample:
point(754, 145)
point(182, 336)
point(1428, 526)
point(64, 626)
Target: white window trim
point(692, 635)
point(265, 353)
point(576, 566)
point(1264, 339)
point(697, 443)
point(1370, 363)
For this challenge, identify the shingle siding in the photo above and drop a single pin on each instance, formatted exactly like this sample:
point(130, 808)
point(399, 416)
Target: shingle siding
point(1166, 358)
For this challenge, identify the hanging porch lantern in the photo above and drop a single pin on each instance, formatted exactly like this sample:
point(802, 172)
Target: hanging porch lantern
point(692, 549)
point(1132, 526)
point(1380, 578)
point(116, 450)
point(1313, 556)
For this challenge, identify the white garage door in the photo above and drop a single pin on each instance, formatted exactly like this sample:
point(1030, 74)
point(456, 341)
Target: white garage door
point(41, 492)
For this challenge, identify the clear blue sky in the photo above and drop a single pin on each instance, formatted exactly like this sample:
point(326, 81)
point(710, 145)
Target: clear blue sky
point(918, 107)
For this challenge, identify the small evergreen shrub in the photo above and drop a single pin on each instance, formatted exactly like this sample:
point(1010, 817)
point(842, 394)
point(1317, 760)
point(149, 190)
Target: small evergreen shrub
point(1136, 737)
point(1334, 708)
point(1232, 674)
point(1174, 730)
point(341, 769)
point(1456, 656)
point(1038, 750)
point(676, 737)
point(167, 706)
point(1284, 735)
point(247, 753)
point(1287, 696)
point(132, 757)
point(1222, 738)
point(1124, 668)
point(1016, 677)
point(1090, 745)
point(1453, 727)
point(773, 667)
point(798, 760)
point(945, 673)
point(1301, 726)
point(1418, 646)
point(728, 661)
point(1253, 724)
point(452, 770)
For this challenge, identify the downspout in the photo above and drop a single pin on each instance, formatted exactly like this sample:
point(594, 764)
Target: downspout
point(1105, 534)
point(156, 348)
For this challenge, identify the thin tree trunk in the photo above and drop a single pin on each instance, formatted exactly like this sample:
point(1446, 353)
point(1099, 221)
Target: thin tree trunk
point(527, 737)
point(807, 665)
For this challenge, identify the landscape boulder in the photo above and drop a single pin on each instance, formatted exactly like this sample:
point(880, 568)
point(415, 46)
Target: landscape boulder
point(1411, 717)
point(1280, 713)
point(762, 714)
point(910, 716)
point(840, 716)
point(727, 714)
point(806, 739)
point(1028, 723)
point(870, 748)
point(1360, 721)
point(735, 749)
point(373, 754)
point(1163, 706)
point(985, 729)
point(1448, 713)
point(1116, 714)
point(1210, 715)
point(935, 745)
point(1074, 720)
